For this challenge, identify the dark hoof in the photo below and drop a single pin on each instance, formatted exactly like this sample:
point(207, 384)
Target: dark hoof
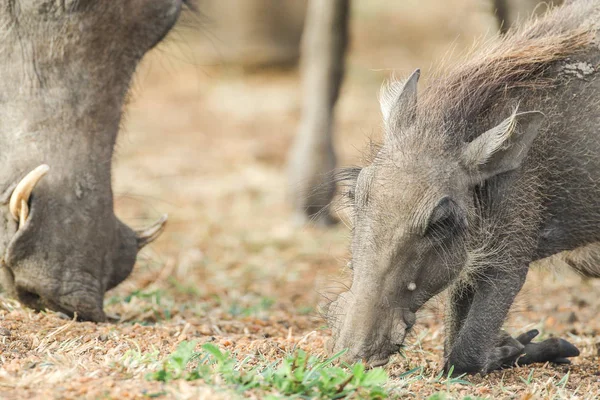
point(510, 352)
point(550, 350)
point(553, 350)
point(527, 337)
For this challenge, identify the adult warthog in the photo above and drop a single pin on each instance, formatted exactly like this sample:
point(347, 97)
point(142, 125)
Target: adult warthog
point(495, 165)
point(64, 75)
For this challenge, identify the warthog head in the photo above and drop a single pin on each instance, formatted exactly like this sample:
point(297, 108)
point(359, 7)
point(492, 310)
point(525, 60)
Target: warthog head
point(412, 209)
point(65, 70)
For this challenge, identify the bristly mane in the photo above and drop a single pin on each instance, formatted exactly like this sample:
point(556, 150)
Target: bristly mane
point(520, 59)
point(517, 60)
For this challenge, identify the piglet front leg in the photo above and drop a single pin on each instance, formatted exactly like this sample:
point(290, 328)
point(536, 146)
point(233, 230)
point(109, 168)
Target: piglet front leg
point(481, 346)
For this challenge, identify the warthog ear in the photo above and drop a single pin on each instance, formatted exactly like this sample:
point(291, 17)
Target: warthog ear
point(502, 148)
point(398, 101)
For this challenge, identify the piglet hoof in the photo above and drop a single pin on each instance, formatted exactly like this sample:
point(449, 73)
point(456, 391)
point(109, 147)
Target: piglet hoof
point(511, 351)
point(553, 350)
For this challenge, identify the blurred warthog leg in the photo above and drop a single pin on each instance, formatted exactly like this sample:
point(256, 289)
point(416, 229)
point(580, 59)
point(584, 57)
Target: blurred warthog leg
point(312, 156)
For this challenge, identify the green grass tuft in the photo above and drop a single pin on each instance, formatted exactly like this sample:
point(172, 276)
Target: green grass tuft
point(299, 375)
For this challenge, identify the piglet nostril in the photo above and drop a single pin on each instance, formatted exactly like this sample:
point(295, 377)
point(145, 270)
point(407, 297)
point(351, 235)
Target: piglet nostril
point(409, 319)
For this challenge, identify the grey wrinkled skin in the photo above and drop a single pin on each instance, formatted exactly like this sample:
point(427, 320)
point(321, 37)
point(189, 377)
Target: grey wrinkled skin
point(65, 70)
point(492, 166)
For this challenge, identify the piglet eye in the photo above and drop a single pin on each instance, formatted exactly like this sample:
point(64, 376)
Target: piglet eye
point(351, 193)
point(446, 219)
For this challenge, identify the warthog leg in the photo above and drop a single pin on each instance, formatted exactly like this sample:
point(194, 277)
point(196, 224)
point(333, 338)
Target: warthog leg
point(475, 343)
point(312, 157)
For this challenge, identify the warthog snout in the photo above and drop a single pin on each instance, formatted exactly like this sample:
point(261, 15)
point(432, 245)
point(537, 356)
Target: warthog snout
point(70, 277)
point(366, 330)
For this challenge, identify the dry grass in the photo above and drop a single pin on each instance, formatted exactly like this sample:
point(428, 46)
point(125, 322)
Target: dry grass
point(208, 146)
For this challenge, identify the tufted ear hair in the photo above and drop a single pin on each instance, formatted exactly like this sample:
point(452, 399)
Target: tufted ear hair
point(398, 102)
point(502, 148)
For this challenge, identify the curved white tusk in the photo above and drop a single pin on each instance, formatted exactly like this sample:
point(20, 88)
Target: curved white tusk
point(150, 234)
point(24, 213)
point(20, 196)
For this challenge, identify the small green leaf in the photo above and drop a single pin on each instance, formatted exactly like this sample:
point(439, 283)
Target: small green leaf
point(377, 376)
point(437, 396)
point(214, 351)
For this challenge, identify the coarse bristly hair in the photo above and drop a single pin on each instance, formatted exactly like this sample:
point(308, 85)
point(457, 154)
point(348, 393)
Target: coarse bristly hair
point(460, 94)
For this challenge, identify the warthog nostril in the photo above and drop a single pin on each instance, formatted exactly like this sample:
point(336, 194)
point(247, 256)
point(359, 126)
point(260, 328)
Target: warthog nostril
point(409, 319)
point(30, 299)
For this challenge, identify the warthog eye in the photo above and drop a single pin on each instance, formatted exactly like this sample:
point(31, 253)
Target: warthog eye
point(351, 193)
point(446, 220)
point(347, 178)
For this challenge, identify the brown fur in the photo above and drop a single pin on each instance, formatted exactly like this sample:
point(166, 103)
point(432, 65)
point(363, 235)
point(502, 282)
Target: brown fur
point(518, 60)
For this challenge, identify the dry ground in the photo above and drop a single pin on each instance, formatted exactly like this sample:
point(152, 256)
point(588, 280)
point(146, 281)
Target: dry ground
point(207, 145)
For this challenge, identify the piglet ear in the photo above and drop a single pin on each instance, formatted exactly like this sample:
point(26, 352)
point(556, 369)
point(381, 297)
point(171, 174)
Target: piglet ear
point(398, 101)
point(502, 148)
